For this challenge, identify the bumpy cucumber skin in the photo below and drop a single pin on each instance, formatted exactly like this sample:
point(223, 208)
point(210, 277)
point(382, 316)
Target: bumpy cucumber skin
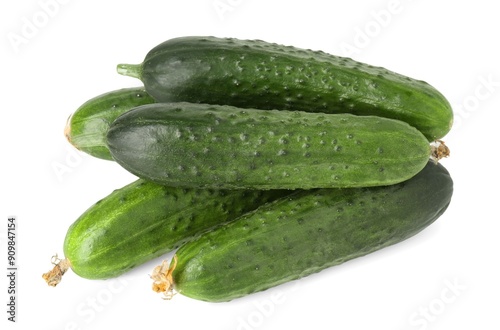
point(307, 232)
point(257, 74)
point(211, 146)
point(87, 127)
point(144, 220)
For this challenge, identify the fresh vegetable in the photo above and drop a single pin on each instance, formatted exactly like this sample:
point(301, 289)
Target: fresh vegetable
point(262, 75)
point(144, 220)
point(86, 128)
point(215, 146)
point(302, 234)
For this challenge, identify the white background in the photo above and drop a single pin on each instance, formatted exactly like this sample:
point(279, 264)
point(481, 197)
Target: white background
point(57, 54)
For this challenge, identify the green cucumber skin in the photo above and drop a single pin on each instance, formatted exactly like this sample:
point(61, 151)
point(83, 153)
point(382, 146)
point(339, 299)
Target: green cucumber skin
point(88, 125)
point(262, 75)
point(143, 220)
point(307, 232)
point(215, 146)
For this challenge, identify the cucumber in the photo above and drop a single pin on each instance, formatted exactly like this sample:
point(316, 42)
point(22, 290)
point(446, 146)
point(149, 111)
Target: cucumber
point(144, 220)
point(86, 128)
point(302, 234)
point(224, 147)
point(263, 75)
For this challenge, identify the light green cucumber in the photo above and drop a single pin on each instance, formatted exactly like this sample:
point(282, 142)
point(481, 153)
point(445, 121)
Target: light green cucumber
point(143, 220)
point(86, 128)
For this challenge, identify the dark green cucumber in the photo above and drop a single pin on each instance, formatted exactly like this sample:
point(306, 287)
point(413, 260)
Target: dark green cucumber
point(302, 234)
point(144, 220)
point(262, 75)
point(86, 128)
point(212, 146)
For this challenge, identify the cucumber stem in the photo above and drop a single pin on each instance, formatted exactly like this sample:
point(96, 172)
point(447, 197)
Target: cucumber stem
point(67, 132)
point(131, 70)
point(439, 150)
point(163, 282)
point(54, 276)
point(67, 129)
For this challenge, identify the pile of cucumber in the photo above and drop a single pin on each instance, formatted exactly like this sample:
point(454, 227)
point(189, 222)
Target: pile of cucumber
point(258, 164)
